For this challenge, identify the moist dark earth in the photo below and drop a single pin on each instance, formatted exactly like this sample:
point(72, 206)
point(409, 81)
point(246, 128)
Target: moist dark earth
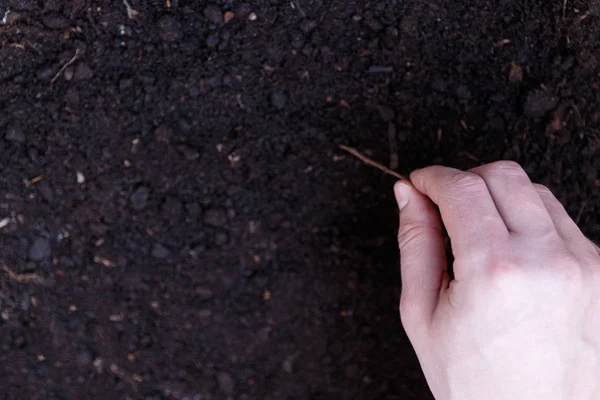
point(177, 220)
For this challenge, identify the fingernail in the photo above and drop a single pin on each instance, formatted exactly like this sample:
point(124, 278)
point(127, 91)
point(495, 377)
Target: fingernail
point(402, 192)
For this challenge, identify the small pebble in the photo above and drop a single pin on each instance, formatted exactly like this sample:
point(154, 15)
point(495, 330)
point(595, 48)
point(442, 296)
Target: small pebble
point(69, 72)
point(297, 39)
point(169, 29)
point(188, 152)
point(40, 250)
point(252, 17)
point(83, 72)
point(45, 74)
point(160, 252)
point(307, 25)
point(53, 5)
point(55, 22)
point(80, 177)
point(226, 383)
point(84, 358)
point(204, 292)
point(28, 5)
point(278, 99)
point(216, 217)
point(15, 134)
point(539, 103)
point(139, 198)
point(221, 238)
point(463, 92)
point(212, 40)
point(214, 14)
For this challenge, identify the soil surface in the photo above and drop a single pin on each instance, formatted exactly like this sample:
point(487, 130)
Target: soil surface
point(177, 221)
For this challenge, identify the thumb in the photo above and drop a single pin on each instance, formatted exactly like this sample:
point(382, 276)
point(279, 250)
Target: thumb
point(422, 257)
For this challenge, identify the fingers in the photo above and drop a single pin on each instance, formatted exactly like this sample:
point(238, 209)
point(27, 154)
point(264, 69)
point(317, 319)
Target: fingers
point(467, 208)
point(422, 257)
point(515, 197)
point(565, 226)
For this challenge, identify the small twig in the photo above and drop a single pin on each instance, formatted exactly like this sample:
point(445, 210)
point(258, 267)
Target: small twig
point(64, 67)
point(33, 181)
point(393, 146)
point(131, 12)
point(370, 162)
point(24, 278)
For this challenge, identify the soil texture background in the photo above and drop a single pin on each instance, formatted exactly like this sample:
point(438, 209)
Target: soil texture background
point(177, 220)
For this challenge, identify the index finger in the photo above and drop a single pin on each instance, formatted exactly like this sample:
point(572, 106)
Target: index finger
point(467, 208)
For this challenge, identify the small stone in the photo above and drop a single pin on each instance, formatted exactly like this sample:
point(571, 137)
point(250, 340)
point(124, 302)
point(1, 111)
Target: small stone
point(55, 22)
point(169, 29)
point(40, 250)
point(226, 383)
point(288, 363)
point(52, 5)
point(188, 152)
point(45, 74)
point(28, 5)
point(69, 72)
point(221, 238)
point(216, 217)
point(172, 206)
point(84, 358)
point(139, 198)
point(204, 292)
point(308, 26)
point(278, 99)
point(125, 84)
point(204, 313)
point(46, 191)
point(160, 252)
point(252, 17)
point(298, 39)
point(212, 40)
point(214, 14)
point(193, 209)
point(15, 134)
point(83, 72)
point(374, 24)
point(463, 92)
point(80, 177)
point(539, 103)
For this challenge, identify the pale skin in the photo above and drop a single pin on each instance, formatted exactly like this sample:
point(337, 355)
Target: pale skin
point(521, 318)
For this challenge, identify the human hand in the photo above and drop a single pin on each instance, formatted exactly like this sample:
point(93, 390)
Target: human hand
point(521, 319)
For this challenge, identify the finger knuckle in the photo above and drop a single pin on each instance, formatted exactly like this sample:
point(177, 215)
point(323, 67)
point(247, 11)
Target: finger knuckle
point(409, 236)
point(504, 272)
point(466, 182)
point(542, 190)
point(511, 168)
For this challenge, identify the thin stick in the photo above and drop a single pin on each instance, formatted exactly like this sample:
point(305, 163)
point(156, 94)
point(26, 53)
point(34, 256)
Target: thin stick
point(370, 162)
point(70, 62)
point(24, 278)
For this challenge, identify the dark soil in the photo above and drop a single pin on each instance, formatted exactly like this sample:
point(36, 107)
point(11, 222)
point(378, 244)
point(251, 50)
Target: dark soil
point(177, 220)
